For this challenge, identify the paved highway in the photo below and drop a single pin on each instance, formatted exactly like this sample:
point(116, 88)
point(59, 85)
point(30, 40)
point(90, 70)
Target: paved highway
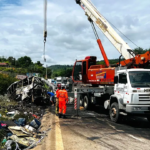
point(93, 130)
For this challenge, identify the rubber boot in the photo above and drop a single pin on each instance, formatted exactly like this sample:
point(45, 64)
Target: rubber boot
point(64, 117)
point(59, 115)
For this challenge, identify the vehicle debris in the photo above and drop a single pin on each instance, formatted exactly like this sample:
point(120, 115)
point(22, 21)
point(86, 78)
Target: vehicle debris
point(9, 143)
point(32, 89)
point(20, 121)
point(35, 123)
point(20, 125)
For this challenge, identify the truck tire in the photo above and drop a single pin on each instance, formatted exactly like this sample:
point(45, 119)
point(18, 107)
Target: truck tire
point(148, 118)
point(81, 100)
point(86, 102)
point(114, 112)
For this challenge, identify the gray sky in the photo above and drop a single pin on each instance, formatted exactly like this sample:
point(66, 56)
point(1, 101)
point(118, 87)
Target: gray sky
point(70, 35)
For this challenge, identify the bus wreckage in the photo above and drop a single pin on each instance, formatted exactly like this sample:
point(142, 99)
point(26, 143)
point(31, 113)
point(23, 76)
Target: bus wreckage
point(32, 89)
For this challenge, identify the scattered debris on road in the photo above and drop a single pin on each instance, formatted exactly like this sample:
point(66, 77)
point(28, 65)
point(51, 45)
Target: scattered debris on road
point(20, 124)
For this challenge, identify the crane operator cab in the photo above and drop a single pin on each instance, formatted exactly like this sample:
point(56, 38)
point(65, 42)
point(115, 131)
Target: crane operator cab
point(80, 70)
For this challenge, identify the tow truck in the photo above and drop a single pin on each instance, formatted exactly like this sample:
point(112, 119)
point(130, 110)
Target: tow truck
point(123, 88)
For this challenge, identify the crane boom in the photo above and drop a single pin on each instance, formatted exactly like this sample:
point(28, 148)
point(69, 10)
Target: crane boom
point(103, 24)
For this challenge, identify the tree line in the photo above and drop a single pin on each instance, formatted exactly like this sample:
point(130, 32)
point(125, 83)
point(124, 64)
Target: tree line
point(24, 65)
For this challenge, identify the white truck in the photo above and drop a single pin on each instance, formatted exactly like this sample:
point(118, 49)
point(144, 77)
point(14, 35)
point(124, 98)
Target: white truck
point(131, 93)
point(61, 80)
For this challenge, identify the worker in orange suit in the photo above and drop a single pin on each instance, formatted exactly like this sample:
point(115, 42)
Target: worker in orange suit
point(57, 101)
point(63, 99)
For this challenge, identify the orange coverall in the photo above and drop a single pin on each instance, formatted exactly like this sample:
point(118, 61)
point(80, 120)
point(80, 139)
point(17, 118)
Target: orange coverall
point(62, 97)
point(57, 92)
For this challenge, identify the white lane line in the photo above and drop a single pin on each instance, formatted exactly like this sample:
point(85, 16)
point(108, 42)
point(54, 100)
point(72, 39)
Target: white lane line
point(136, 138)
point(115, 128)
point(58, 136)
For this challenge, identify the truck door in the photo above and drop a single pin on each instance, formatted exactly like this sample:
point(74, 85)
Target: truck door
point(77, 72)
point(84, 72)
point(122, 84)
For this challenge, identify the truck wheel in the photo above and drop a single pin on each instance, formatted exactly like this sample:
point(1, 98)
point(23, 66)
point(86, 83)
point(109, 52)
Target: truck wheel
point(81, 100)
point(148, 118)
point(86, 103)
point(114, 112)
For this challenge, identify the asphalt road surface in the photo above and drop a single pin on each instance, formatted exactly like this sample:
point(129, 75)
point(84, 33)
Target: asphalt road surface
point(93, 130)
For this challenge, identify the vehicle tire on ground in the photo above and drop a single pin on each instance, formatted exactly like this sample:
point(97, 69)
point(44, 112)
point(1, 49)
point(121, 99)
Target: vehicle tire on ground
point(86, 102)
point(148, 118)
point(81, 100)
point(114, 112)
point(92, 104)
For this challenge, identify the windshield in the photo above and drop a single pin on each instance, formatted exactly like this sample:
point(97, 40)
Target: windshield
point(139, 78)
point(92, 63)
point(65, 81)
point(59, 81)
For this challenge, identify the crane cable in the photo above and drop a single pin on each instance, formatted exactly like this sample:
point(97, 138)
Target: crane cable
point(45, 26)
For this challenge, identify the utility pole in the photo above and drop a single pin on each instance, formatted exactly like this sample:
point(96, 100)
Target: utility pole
point(46, 72)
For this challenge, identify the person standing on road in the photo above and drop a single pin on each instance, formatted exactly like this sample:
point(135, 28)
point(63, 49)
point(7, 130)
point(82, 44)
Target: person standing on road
point(57, 101)
point(63, 98)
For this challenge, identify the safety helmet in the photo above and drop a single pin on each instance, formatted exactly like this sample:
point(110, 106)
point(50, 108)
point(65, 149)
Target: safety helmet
point(59, 86)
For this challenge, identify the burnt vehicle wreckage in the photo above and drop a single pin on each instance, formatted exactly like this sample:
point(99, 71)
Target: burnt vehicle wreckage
point(32, 89)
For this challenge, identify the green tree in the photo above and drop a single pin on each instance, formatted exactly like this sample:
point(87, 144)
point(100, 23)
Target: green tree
point(139, 50)
point(3, 59)
point(11, 60)
point(68, 73)
point(24, 62)
point(39, 64)
point(62, 72)
point(5, 81)
point(49, 73)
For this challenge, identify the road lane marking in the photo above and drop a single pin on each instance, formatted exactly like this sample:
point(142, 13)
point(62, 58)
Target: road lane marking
point(136, 138)
point(114, 128)
point(58, 136)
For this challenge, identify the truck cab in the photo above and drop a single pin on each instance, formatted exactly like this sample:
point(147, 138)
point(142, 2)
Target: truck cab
point(58, 80)
point(86, 71)
point(131, 93)
point(80, 70)
point(61, 80)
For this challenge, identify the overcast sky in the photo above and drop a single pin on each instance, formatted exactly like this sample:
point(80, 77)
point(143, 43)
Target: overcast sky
point(70, 35)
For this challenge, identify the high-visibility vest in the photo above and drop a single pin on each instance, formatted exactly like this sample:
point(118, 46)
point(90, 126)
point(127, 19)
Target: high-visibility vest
point(62, 95)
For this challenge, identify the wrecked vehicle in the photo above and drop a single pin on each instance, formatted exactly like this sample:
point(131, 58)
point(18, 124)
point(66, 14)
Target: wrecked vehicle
point(32, 89)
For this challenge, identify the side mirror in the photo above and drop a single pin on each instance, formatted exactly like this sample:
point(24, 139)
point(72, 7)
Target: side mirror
point(116, 79)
